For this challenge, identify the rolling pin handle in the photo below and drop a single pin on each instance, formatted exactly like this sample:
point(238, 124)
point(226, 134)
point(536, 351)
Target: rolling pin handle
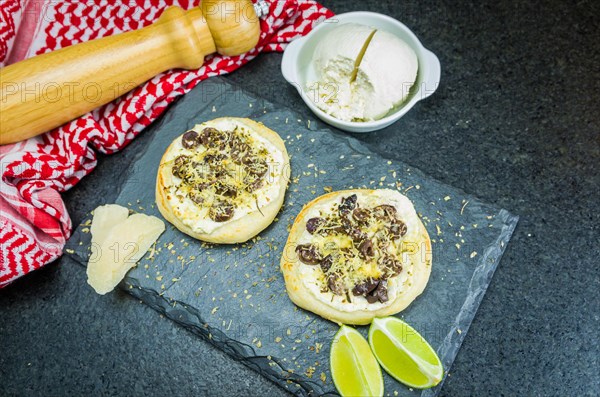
point(32, 92)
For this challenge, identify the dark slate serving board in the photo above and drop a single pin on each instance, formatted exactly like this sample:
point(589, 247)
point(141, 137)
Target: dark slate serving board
point(234, 295)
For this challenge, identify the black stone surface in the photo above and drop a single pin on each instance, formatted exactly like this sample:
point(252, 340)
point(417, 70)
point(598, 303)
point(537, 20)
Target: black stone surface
point(515, 121)
point(234, 296)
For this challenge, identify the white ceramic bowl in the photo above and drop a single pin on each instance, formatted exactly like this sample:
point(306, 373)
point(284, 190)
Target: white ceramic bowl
point(297, 67)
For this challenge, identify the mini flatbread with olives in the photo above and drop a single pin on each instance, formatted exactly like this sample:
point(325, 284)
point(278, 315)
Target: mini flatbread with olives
point(224, 180)
point(357, 254)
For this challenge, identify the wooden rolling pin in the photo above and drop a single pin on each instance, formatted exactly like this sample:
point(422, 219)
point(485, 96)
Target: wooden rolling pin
point(46, 91)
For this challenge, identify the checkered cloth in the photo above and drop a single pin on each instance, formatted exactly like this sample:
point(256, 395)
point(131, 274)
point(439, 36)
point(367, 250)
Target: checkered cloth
point(34, 223)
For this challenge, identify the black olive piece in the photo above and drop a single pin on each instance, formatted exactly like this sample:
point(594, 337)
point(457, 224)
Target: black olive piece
point(219, 172)
point(211, 137)
point(201, 186)
point(356, 235)
point(190, 139)
point(237, 143)
point(346, 224)
point(398, 228)
point(179, 165)
point(221, 212)
point(258, 168)
point(248, 159)
point(326, 263)
point(331, 226)
point(382, 243)
point(239, 149)
point(177, 171)
point(366, 249)
point(255, 185)
point(336, 229)
point(391, 266)
point(206, 136)
point(365, 287)
point(371, 299)
point(243, 146)
point(225, 190)
point(181, 160)
point(348, 204)
point(313, 224)
point(220, 140)
point(353, 232)
point(196, 197)
point(385, 211)
point(361, 215)
point(308, 254)
point(237, 156)
point(379, 293)
point(335, 285)
point(230, 192)
point(214, 158)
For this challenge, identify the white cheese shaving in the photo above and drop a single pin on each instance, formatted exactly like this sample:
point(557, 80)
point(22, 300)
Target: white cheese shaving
point(118, 243)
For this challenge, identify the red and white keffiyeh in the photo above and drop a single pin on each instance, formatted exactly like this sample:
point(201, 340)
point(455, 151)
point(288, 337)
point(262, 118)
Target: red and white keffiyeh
point(34, 223)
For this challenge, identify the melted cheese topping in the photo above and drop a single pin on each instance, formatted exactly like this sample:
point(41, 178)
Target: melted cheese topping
point(197, 216)
point(404, 249)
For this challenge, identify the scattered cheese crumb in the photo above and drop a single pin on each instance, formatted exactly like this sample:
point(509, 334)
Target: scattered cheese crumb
point(323, 377)
point(310, 371)
point(318, 347)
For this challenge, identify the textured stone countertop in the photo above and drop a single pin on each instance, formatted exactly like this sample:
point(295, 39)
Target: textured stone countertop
point(515, 121)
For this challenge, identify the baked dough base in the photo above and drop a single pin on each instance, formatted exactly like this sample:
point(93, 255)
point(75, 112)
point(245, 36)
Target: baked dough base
point(303, 297)
point(237, 230)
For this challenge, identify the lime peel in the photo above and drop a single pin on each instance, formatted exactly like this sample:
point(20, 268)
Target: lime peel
point(432, 372)
point(425, 366)
point(349, 340)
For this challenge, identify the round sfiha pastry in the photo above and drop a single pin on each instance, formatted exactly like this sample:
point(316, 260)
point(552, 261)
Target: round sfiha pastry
point(224, 180)
point(354, 255)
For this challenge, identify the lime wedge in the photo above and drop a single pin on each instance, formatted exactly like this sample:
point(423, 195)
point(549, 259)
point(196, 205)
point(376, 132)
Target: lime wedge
point(354, 369)
point(404, 354)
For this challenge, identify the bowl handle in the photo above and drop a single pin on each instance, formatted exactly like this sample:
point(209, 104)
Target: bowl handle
point(288, 63)
point(431, 80)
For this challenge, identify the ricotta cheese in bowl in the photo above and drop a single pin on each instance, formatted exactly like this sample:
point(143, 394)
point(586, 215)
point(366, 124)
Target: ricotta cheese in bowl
point(370, 72)
point(361, 71)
